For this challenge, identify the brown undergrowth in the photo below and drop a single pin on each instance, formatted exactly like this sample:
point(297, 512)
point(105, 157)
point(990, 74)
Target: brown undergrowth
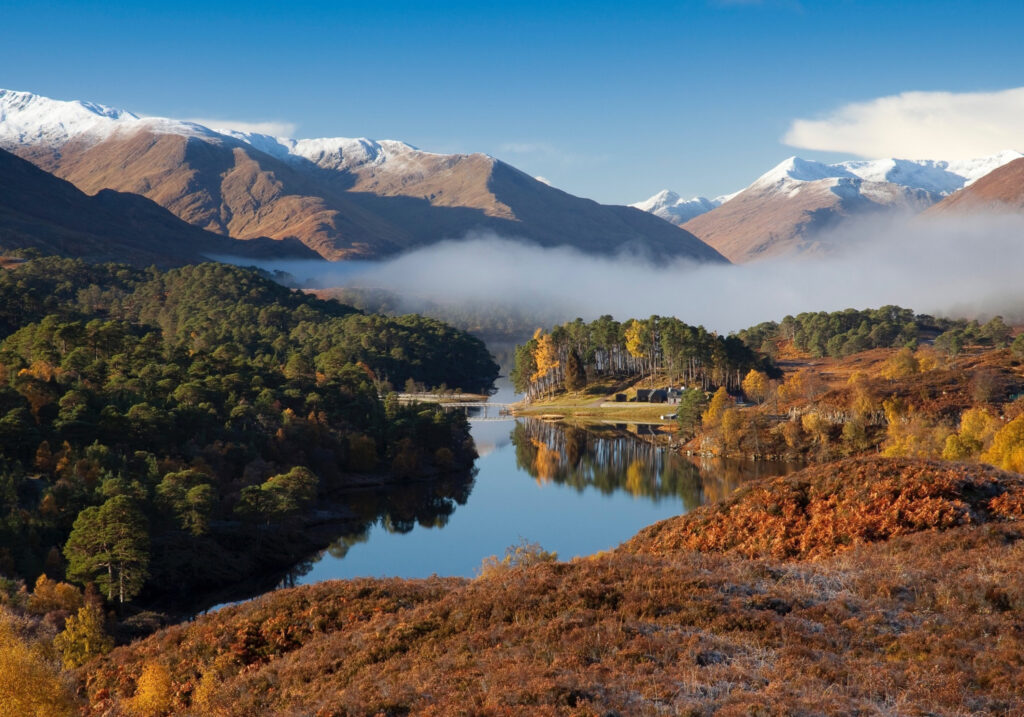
point(920, 612)
point(829, 507)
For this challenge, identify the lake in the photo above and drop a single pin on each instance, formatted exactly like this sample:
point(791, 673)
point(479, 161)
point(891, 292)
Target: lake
point(573, 491)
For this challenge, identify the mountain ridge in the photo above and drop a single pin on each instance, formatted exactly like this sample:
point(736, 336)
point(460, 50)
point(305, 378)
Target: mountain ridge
point(999, 191)
point(788, 209)
point(939, 177)
point(343, 198)
point(46, 213)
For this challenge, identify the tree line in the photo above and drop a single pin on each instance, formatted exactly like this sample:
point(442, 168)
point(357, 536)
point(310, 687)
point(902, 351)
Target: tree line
point(846, 332)
point(572, 354)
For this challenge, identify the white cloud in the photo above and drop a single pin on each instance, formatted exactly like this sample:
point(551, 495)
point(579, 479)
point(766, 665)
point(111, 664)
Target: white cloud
point(275, 129)
point(919, 125)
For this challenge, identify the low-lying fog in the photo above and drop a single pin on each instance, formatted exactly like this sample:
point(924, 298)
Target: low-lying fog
point(970, 267)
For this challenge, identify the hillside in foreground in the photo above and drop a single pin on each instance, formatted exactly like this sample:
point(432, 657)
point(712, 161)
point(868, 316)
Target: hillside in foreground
point(903, 596)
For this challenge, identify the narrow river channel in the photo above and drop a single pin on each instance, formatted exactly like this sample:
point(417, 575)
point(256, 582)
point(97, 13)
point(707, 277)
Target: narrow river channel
point(573, 491)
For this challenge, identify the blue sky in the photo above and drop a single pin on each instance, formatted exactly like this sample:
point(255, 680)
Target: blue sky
point(608, 100)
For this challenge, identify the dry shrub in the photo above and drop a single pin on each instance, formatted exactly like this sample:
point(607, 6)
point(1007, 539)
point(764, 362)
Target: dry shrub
point(686, 633)
point(521, 555)
point(827, 508)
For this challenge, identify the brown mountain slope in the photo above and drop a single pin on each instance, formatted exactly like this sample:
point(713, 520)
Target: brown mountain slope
point(1001, 190)
point(767, 220)
point(397, 199)
point(40, 211)
point(928, 621)
point(218, 185)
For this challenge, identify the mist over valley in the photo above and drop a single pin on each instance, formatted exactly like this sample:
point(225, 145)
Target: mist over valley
point(959, 266)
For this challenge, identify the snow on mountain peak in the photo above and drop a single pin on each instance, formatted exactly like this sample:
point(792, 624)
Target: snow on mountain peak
point(664, 198)
point(343, 153)
point(29, 118)
point(672, 208)
point(26, 118)
point(974, 169)
point(935, 176)
point(800, 170)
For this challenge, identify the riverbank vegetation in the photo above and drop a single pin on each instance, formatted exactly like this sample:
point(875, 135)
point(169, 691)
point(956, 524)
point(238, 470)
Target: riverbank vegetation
point(813, 387)
point(900, 402)
point(165, 434)
point(574, 354)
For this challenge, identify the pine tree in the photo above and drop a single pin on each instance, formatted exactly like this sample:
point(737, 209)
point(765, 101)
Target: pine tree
point(109, 544)
point(575, 376)
point(689, 410)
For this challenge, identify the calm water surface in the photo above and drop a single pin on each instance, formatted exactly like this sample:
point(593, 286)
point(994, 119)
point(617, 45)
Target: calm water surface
point(573, 491)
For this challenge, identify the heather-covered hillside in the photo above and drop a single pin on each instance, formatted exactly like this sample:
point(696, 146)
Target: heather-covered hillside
point(915, 612)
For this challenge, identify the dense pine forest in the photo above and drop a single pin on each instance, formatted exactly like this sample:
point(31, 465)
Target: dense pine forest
point(163, 433)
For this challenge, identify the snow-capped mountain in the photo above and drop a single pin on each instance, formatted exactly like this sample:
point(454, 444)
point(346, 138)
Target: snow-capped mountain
point(341, 197)
point(937, 177)
point(789, 208)
point(672, 208)
point(29, 119)
point(934, 176)
point(907, 184)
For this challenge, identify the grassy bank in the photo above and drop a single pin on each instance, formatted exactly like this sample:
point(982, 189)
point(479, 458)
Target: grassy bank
point(597, 404)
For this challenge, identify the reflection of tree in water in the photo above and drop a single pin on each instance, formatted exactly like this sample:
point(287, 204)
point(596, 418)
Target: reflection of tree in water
point(612, 459)
point(397, 509)
point(722, 476)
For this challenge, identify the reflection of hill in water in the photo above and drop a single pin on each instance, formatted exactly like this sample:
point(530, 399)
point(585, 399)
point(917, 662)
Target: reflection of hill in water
point(612, 459)
point(396, 509)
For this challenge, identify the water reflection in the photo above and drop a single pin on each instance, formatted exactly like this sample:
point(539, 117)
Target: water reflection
point(575, 491)
point(612, 458)
point(396, 510)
